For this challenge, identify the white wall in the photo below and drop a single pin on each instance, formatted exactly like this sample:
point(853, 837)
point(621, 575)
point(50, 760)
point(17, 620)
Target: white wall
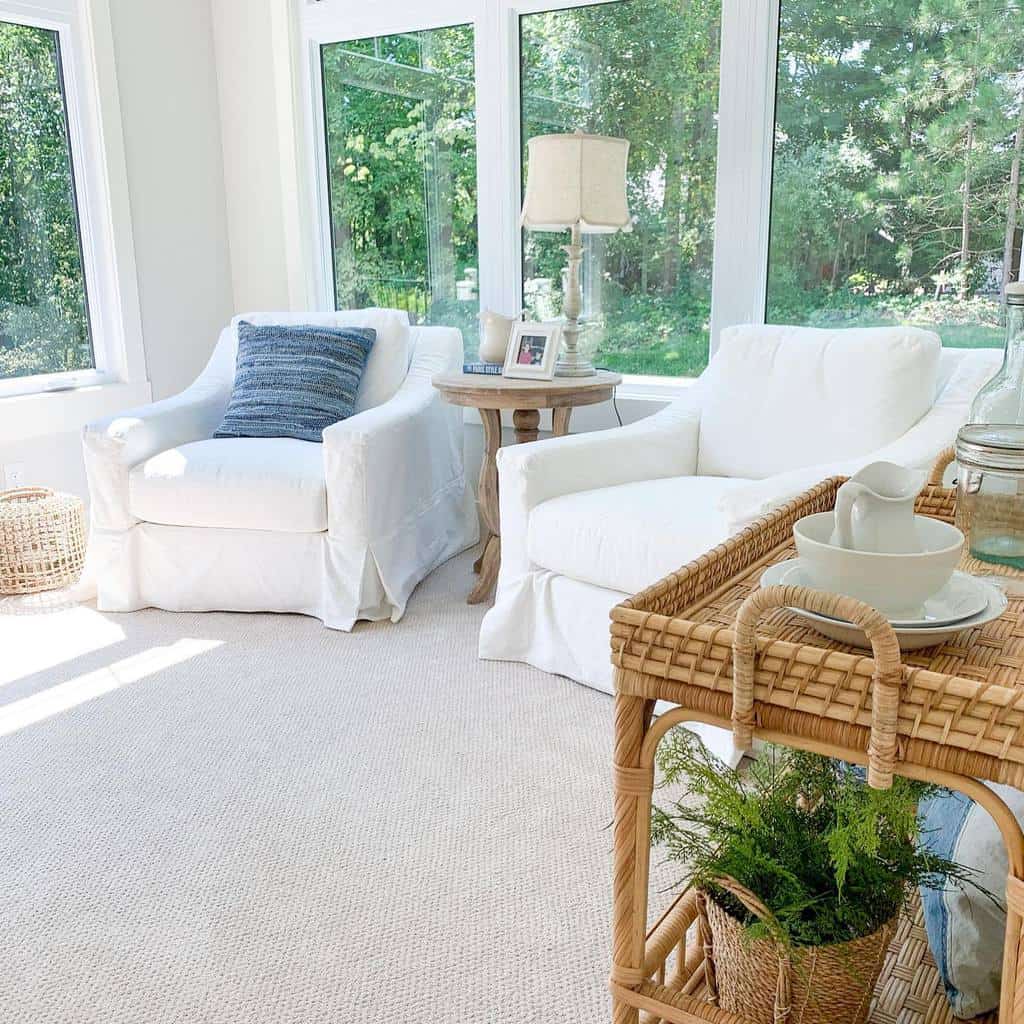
point(170, 114)
point(253, 40)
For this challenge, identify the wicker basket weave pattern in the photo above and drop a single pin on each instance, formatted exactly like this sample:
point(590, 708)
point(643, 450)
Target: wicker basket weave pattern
point(761, 982)
point(42, 540)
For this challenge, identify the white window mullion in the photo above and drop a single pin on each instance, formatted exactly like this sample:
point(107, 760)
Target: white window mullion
point(102, 287)
point(332, 21)
point(497, 79)
point(746, 117)
point(322, 260)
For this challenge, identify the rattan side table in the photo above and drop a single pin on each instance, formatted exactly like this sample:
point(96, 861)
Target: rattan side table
point(722, 651)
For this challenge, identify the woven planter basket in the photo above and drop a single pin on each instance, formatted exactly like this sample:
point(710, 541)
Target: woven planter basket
point(765, 984)
point(42, 540)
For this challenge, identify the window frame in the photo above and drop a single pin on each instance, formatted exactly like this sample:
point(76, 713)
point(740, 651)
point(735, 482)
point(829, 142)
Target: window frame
point(98, 174)
point(747, 77)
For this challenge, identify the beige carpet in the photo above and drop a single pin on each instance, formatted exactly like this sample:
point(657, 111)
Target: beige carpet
point(236, 818)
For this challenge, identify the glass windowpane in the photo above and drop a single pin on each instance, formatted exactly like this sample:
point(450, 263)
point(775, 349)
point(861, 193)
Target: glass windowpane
point(401, 149)
point(898, 135)
point(645, 70)
point(44, 321)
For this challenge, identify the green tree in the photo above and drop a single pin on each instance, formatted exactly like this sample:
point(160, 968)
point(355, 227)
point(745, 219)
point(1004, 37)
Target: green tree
point(929, 93)
point(43, 315)
point(401, 143)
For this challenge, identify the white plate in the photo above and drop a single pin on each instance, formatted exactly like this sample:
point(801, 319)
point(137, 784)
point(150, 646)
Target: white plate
point(910, 638)
point(962, 597)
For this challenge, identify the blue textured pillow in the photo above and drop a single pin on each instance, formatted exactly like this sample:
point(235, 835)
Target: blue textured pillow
point(295, 380)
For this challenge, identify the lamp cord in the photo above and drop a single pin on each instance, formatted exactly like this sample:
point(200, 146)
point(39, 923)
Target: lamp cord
point(615, 396)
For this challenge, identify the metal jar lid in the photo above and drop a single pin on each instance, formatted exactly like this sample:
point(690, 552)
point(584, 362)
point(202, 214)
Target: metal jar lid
point(991, 446)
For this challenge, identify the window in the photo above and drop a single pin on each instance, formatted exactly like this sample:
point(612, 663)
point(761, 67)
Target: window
point(897, 155)
point(400, 121)
point(44, 317)
point(647, 293)
point(791, 161)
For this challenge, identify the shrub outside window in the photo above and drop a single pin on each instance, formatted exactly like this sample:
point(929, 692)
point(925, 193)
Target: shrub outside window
point(44, 313)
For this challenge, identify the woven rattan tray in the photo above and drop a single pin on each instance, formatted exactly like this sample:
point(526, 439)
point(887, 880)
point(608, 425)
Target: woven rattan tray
point(700, 637)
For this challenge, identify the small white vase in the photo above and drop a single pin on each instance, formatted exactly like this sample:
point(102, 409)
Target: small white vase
point(495, 330)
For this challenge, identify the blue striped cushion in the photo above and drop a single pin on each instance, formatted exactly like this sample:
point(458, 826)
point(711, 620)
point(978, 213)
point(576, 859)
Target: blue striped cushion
point(293, 381)
point(965, 928)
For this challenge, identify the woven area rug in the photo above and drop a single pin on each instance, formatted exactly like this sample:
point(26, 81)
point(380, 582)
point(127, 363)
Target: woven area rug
point(248, 818)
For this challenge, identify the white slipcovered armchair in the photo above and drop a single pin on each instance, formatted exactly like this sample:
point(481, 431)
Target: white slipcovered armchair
point(342, 530)
point(589, 519)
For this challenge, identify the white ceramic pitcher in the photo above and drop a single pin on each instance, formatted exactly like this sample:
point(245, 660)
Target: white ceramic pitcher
point(875, 510)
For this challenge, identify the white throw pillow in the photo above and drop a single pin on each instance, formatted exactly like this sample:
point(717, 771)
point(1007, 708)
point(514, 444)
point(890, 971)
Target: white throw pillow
point(779, 398)
point(388, 364)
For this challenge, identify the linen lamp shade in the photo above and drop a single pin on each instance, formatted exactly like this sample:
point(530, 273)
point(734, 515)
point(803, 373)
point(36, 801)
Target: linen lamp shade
point(577, 180)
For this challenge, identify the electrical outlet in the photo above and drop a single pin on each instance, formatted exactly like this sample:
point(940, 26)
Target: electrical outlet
point(14, 475)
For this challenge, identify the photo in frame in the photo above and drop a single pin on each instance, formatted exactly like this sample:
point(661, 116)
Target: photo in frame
point(533, 351)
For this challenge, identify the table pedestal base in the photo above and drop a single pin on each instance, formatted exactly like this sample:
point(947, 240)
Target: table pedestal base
point(527, 427)
point(489, 395)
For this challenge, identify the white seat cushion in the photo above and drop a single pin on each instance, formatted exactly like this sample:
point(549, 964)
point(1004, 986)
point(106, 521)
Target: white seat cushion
point(781, 398)
point(243, 483)
point(627, 537)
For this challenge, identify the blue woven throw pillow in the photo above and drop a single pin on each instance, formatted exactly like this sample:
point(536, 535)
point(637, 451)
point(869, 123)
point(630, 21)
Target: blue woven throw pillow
point(294, 380)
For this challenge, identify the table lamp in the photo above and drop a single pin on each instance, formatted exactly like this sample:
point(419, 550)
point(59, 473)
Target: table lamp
point(578, 183)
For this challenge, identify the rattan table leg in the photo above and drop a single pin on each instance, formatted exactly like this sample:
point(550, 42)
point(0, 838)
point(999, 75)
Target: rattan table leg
point(634, 783)
point(1011, 995)
point(1012, 992)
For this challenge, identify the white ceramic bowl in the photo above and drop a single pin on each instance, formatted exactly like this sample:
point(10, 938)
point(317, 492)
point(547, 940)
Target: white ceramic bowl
point(897, 585)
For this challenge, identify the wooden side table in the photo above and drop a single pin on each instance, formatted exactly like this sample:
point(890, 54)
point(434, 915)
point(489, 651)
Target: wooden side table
point(489, 395)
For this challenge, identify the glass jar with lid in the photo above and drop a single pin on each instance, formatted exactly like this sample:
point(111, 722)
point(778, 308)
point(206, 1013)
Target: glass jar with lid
point(990, 486)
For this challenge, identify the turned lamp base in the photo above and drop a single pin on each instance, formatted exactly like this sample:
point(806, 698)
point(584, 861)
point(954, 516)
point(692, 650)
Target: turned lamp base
point(574, 368)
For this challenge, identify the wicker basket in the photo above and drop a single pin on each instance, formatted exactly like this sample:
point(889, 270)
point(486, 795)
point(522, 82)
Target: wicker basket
point(42, 540)
point(765, 984)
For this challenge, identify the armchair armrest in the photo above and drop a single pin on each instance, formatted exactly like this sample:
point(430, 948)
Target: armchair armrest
point(662, 445)
point(112, 446)
point(387, 466)
point(132, 437)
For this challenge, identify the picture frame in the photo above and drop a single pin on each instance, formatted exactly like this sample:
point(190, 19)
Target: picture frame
point(533, 351)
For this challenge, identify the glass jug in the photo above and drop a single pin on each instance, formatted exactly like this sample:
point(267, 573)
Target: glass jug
point(1001, 400)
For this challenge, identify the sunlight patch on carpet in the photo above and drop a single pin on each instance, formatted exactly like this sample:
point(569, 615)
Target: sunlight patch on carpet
point(40, 706)
point(34, 643)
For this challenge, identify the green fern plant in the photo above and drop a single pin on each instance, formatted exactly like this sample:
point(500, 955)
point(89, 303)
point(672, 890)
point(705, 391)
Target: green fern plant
point(832, 858)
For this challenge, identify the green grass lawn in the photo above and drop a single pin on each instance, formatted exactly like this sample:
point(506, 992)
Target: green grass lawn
point(683, 357)
point(686, 354)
